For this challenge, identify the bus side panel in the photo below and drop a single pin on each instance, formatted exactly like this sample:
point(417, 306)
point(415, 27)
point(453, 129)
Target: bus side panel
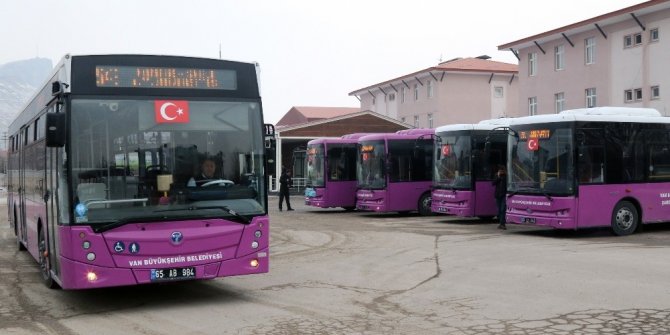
point(341, 194)
point(485, 202)
point(404, 196)
point(598, 201)
point(456, 202)
point(34, 211)
point(538, 210)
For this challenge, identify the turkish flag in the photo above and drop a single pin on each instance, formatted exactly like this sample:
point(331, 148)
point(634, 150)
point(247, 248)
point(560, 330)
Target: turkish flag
point(446, 150)
point(171, 111)
point(533, 144)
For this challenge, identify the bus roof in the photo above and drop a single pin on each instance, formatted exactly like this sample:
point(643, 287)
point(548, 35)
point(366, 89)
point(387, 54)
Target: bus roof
point(483, 125)
point(399, 135)
point(348, 138)
point(597, 114)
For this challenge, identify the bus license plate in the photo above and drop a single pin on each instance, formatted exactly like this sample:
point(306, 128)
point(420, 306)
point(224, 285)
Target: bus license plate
point(172, 274)
point(528, 220)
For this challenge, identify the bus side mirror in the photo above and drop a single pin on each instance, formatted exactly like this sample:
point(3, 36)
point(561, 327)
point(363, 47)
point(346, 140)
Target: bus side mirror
point(55, 134)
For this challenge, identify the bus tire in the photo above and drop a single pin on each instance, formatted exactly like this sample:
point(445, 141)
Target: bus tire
point(424, 204)
point(625, 218)
point(486, 218)
point(349, 208)
point(45, 268)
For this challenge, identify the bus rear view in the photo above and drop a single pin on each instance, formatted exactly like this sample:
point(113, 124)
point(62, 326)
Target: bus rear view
point(395, 171)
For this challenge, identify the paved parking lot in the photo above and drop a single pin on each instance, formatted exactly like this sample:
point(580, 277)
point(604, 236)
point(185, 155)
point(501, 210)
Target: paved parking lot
point(337, 272)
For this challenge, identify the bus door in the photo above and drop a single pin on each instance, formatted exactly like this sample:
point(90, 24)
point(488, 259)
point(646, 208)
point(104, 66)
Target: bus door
point(21, 219)
point(53, 168)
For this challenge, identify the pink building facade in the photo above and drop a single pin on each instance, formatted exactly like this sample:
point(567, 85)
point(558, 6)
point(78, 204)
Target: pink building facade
point(616, 59)
point(462, 90)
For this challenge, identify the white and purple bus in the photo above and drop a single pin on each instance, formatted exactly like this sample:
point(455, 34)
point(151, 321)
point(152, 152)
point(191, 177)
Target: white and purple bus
point(100, 168)
point(331, 172)
point(394, 171)
point(596, 167)
point(467, 157)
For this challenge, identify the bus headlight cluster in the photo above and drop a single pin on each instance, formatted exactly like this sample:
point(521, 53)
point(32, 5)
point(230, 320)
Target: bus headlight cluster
point(86, 245)
point(254, 263)
point(90, 256)
point(254, 245)
point(91, 276)
point(258, 233)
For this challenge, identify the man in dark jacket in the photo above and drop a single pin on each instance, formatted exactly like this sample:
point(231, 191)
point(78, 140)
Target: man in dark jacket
point(285, 181)
point(500, 194)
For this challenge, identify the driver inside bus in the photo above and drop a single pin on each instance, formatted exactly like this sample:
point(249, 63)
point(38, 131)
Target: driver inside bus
point(207, 170)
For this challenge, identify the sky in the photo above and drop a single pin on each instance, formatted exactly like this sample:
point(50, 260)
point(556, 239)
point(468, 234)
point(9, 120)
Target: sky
point(311, 52)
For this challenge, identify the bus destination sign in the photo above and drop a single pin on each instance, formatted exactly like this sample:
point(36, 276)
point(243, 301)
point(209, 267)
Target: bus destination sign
point(164, 77)
point(536, 133)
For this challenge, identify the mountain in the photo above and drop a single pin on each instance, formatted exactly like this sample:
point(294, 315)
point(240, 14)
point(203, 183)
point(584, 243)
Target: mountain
point(18, 82)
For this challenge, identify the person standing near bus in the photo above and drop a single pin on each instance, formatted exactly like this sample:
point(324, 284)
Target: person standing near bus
point(500, 194)
point(285, 182)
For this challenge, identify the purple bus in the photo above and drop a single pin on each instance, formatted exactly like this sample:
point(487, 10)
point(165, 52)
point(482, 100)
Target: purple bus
point(331, 172)
point(101, 162)
point(394, 171)
point(466, 160)
point(596, 167)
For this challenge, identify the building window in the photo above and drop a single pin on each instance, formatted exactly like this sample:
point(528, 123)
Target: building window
point(655, 92)
point(638, 94)
point(628, 95)
point(653, 35)
point(391, 96)
point(559, 98)
point(430, 88)
point(590, 97)
point(416, 121)
point(532, 106)
point(430, 120)
point(498, 91)
point(374, 100)
point(403, 94)
point(532, 64)
point(416, 92)
point(590, 50)
point(632, 40)
point(559, 57)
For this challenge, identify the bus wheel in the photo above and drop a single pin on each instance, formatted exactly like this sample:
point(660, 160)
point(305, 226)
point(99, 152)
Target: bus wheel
point(44, 260)
point(624, 218)
point(424, 204)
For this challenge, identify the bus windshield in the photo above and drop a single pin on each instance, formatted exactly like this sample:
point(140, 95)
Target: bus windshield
point(452, 155)
point(541, 160)
point(371, 172)
point(315, 165)
point(136, 160)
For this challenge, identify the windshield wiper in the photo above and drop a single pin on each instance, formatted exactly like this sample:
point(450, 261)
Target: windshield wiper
point(223, 208)
point(547, 196)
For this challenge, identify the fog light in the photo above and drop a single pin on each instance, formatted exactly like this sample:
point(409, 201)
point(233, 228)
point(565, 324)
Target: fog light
point(258, 233)
point(90, 256)
point(254, 244)
point(86, 245)
point(91, 276)
point(254, 263)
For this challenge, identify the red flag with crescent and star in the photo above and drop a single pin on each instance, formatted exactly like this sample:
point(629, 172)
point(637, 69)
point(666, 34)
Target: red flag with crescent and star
point(533, 144)
point(171, 111)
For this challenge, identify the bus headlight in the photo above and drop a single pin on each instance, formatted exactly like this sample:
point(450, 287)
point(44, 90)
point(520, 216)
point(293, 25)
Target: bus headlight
point(86, 244)
point(90, 256)
point(254, 245)
point(91, 276)
point(258, 233)
point(254, 263)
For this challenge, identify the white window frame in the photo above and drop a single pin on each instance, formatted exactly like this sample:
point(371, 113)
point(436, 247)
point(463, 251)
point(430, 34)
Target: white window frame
point(653, 35)
point(559, 102)
point(637, 94)
point(590, 50)
point(655, 92)
point(628, 96)
point(632, 40)
point(416, 121)
point(430, 88)
point(591, 97)
point(374, 100)
point(402, 119)
point(559, 57)
point(532, 64)
point(430, 120)
point(498, 91)
point(403, 94)
point(416, 92)
point(391, 96)
point(532, 106)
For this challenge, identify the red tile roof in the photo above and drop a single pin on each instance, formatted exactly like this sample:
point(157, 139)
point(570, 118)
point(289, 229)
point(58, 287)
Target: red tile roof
point(303, 114)
point(471, 64)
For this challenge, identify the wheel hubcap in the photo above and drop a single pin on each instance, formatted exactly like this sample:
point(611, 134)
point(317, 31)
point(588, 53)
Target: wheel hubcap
point(624, 218)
